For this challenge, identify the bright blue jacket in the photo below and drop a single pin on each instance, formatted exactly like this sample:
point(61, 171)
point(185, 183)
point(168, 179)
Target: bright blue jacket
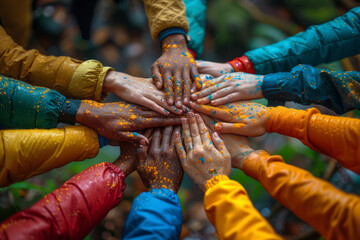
point(154, 215)
point(323, 43)
point(339, 91)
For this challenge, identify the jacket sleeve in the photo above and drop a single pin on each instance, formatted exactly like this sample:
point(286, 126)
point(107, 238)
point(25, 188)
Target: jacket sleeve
point(333, 213)
point(25, 106)
point(154, 215)
point(323, 43)
point(339, 91)
point(71, 211)
point(163, 14)
point(337, 137)
point(196, 16)
point(71, 77)
point(26, 153)
point(230, 210)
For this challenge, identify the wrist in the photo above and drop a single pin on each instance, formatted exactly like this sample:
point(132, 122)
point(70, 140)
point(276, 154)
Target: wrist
point(110, 81)
point(69, 111)
point(173, 40)
point(238, 160)
point(174, 32)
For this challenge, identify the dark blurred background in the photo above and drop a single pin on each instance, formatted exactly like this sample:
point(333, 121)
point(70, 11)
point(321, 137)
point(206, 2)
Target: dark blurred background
point(120, 38)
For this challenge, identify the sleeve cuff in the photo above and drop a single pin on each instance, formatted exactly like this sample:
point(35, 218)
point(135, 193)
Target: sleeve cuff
point(252, 163)
point(169, 31)
point(242, 64)
point(215, 180)
point(68, 111)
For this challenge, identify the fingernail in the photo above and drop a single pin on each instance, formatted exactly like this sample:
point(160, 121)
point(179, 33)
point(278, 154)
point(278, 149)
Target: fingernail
point(194, 96)
point(171, 102)
point(217, 127)
point(216, 135)
point(178, 104)
point(158, 85)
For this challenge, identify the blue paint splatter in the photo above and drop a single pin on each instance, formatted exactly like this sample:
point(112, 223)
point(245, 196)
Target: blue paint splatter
point(202, 160)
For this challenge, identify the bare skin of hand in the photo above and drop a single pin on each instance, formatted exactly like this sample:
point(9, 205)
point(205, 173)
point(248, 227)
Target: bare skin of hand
point(141, 91)
point(162, 168)
point(175, 69)
point(230, 88)
point(129, 156)
point(213, 68)
point(203, 157)
point(118, 121)
point(242, 118)
point(238, 146)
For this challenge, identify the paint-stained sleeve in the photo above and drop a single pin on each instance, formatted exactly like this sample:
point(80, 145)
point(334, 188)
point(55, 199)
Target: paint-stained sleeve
point(323, 43)
point(71, 211)
point(332, 212)
point(230, 210)
point(72, 78)
point(338, 91)
point(154, 215)
point(26, 153)
point(337, 137)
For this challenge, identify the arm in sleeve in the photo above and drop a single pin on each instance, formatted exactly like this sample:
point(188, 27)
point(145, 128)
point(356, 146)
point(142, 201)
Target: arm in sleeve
point(71, 77)
point(164, 14)
point(230, 210)
point(71, 211)
point(26, 153)
point(323, 43)
point(154, 215)
point(196, 16)
point(337, 137)
point(338, 91)
point(333, 213)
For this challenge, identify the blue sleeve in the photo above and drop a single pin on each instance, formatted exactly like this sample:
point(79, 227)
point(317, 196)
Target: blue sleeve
point(196, 15)
point(154, 215)
point(323, 43)
point(24, 106)
point(338, 91)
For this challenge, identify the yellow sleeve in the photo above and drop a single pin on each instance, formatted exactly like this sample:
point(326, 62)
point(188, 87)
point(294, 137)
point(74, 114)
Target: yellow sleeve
point(26, 153)
point(72, 78)
point(230, 210)
point(337, 137)
point(163, 14)
point(333, 213)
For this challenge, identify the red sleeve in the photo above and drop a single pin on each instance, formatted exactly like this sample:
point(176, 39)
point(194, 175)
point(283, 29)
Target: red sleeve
point(71, 211)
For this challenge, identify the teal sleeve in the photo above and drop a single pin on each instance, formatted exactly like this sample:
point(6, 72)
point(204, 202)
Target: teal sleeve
point(338, 91)
point(323, 43)
point(24, 106)
point(196, 15)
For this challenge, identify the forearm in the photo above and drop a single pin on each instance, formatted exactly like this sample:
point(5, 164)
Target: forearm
point(306, 85)
point(71, 211)
point(230, 210)
point(330, 211)
point(70, 77)
point(337, 137)
point(323, 43)
point(154, 215)
point(27, 153)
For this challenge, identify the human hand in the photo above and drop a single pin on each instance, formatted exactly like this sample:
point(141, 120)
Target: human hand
point(175, 69)
point(238, 146)
point(162, 168)
point(141, 91)
point(213, 68)
point(118, 121)
point(205, 156)
point(230, 88)
point(243, 118)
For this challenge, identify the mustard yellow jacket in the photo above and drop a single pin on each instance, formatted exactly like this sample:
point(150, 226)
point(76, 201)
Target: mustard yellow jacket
point(26, 153)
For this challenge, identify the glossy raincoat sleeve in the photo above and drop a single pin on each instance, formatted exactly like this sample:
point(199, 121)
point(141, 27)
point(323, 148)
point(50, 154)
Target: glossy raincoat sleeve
point(163, 14)
point(230, 210)
point(71, 211)
point(26, 153)
point(24, 106)
point(337, 137)
point(338, 91)
point(154, 215)
point(323, 43)
point(72, 78)
point(332, 212)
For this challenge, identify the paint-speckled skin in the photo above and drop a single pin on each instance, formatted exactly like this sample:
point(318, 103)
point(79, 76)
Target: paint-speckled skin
point(71, 211)
point(119, 120)
point(161, 168)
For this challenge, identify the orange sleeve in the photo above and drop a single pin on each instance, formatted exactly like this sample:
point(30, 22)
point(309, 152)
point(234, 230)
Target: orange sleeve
point(337, 137)
point(333, 213)
point(230, 210)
